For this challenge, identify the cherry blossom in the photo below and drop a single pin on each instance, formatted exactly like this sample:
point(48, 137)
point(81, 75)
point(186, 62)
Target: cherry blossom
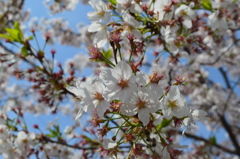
point(164, 8)
point(25, 142)
point(130, 19)
point(174, 104)
point(101, 11)
point(217, 21)
point(101, 37)
point(142, 103)
point(187, 14)
point(93, 97)
point(120, 82)
point(132, 6)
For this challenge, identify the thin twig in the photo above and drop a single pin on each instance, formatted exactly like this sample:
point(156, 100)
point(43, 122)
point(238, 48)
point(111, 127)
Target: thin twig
point(65, 144)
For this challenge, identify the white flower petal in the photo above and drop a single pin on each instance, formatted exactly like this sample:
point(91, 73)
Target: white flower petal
point(108, 144)
point(129, 109)
point(80, 113)
point(94, 27)
point(130, 20)
point(187, 23)
point(144, 116)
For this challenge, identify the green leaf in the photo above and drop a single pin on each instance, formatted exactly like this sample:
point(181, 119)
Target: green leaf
point(206, 4)
point(20, 34)
point(14, 34)
point(57, 128)
point(55, 132)
point(50, 135)
point(113, 2)
point(24, 51)
point(163, 124)
point(213, 140)
point(6, 37)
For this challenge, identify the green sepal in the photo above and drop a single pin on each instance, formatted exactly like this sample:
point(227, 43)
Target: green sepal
point(163, 124)
point(107, 54)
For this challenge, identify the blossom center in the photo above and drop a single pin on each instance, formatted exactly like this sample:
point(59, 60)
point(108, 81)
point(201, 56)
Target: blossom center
point(24, 141)
point(94, 53)
point(123, 83)
point(141, 104)
point(172, 104)
point(98, 96)
point(155, 77)
point(116, 37)
point(101, 14)
point(183, 13)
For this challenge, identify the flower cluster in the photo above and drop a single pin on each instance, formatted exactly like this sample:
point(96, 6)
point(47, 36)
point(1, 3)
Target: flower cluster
point(141, 99)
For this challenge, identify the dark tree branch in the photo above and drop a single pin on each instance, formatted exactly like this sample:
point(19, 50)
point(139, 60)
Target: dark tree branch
point(46, 139)
point(232, 136)
point(218, 58)
point(222, 118)
point(215, 61)
point(230, 94)
point(21, 4)
point(65, 144)
point(194, 137)
point(225, 77)
point(170, 77)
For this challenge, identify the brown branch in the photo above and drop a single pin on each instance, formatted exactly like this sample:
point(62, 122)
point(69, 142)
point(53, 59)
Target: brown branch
point(230, 94)
point(222, 118)
point(225, 77)
point(232, 136)
point(21, 4)
point(170, 77)
point(65, 144)
point(79, 147)
point(15, 54)
point(218, 58)
point(215, 61)
point(194, 137)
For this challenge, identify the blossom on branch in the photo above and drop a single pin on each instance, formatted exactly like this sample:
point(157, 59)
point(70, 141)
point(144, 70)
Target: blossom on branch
point(174, 104)
point(186, 14)
point(101, 11)
point(102, 35)
point(142, 103)
point(120, 82)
